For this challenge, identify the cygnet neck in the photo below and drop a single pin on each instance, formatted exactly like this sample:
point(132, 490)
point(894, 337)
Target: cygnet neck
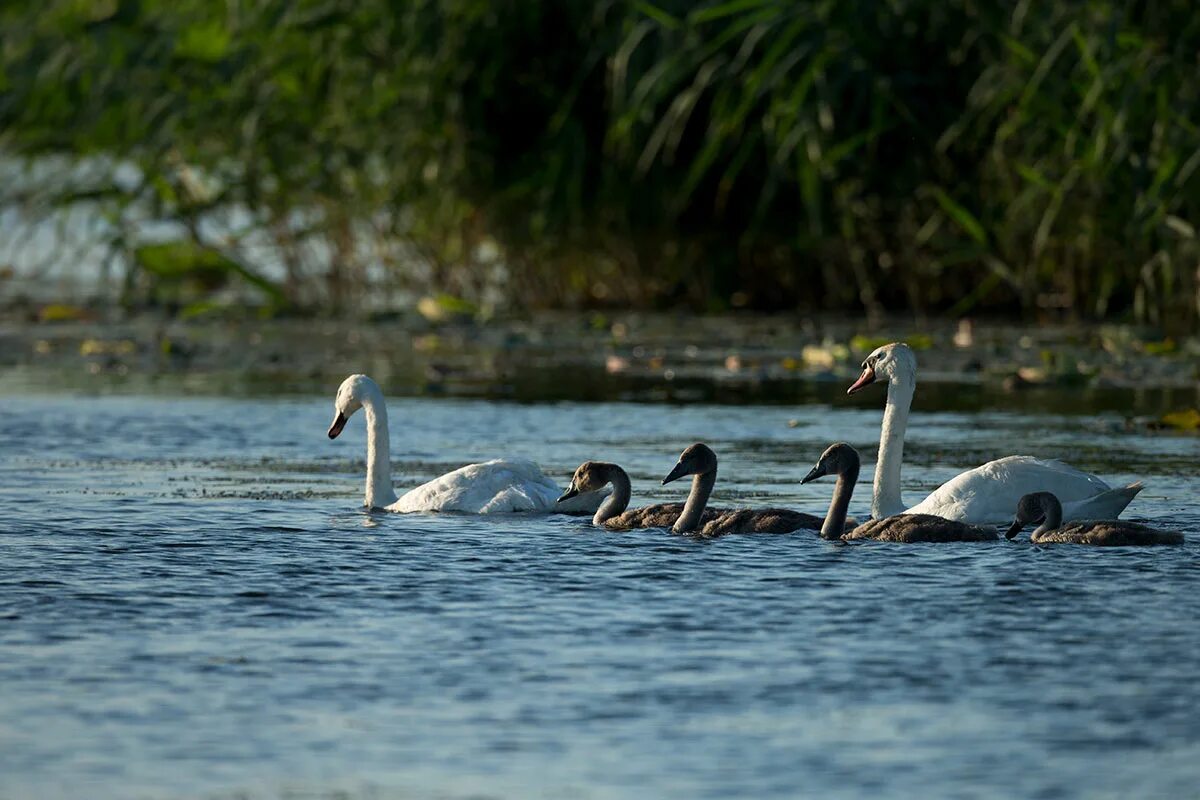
point(618, 501)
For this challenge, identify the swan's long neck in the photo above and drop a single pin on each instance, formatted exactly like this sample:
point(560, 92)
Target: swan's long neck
point(835, 518)
point(379, 456)
point(702, 486)
point(885, 496)
point(1053, 520)
point(618, 501)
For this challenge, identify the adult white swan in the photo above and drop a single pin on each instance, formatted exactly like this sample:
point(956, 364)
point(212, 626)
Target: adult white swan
point(986, 494)
point(503, 485)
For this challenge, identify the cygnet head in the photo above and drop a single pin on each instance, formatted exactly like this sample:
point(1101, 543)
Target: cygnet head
point(1033, 509)
point(590, 477)
point(892, 362)
point(698, 459)
point(838, 459)
point(350, 396)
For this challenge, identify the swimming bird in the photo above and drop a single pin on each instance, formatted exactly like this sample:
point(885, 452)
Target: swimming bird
point(700, 462)
point(498, 486)
point(1044, 510)
point(593, 476)
point(842, 460)
point(986, 494)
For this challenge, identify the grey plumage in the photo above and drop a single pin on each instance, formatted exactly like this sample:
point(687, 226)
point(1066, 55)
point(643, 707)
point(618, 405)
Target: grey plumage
point(701, 462)
point(921, 528)
point(1045, 510)
point(614, 514)
point(842, 460)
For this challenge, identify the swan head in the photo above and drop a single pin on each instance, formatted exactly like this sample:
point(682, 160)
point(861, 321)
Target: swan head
point(838, 459)
point(350, 396)
point(892, 362)
point(590, 477)
point(699, 459)
point(1034, 508)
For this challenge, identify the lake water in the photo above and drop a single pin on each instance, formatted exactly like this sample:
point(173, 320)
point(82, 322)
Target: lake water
point(193, 605)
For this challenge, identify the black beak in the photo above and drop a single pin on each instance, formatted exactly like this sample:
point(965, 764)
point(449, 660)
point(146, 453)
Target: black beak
point(569, 493)
point(816, 472)
point(678, 471)
point(1014, 529)
point(339, 422)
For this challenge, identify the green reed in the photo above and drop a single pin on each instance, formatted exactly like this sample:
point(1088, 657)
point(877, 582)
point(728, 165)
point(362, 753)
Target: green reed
point(956, 157)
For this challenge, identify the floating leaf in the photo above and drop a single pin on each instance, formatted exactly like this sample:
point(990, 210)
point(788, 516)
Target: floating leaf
point(61, 312)
point(1186, 420)
point(1165, 347)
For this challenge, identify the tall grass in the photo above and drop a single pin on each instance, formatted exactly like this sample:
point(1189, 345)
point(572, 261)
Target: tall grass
point(955, 156)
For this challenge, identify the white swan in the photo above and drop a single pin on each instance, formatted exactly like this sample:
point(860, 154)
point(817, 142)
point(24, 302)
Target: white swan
point(986, 494)
point(500, 486)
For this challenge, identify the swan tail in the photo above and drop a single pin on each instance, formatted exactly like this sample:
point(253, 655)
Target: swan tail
point(1105, 505)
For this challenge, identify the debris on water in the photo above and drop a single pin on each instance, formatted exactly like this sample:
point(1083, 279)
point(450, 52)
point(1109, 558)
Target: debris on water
point(964, 336)
point(99, 347)
point(1186, 420)
point(614, 364)
point(63, 312)
point(524, 353)
point(1163, 348)
point(446, 308)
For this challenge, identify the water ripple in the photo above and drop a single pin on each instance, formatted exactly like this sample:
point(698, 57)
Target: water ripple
point(191, 609)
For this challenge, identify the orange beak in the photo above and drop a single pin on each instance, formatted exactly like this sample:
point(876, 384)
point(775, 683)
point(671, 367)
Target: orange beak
point(866, 379)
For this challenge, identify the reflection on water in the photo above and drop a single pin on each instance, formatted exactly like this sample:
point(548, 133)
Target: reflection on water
point(192, 604)
point(531, 381)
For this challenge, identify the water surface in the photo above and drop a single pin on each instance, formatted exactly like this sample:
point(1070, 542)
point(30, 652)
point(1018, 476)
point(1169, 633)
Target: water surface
point(192, 604)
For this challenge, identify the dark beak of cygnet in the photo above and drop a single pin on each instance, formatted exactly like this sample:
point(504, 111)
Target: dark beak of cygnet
point(866, 379)
point(814, 473)
point(569, 493)
point(339, 422)
point(678, 471)
point(1014, 529)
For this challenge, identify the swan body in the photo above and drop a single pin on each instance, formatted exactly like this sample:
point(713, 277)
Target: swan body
point(492, 487)
point(842, 460)
point(760, 520)
point(981, 493)
point(1045, 509)
point(700, 462)
point(614, 514)
point(986, 494)
point(921, 528)
point(497, 486)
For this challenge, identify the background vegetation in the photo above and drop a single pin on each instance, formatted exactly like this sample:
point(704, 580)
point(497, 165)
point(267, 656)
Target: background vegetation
point(935, 155)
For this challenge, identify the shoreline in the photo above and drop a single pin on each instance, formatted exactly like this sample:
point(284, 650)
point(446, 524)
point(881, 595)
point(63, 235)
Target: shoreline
point(731, 355)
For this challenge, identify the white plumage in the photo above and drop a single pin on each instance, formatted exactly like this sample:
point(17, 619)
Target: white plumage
point(986, 494)
point(492, 487)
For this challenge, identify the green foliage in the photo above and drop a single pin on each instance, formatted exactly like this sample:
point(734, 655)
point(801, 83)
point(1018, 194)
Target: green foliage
point(836, 154)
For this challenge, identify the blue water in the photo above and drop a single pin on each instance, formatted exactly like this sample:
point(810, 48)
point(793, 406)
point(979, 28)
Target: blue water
point(192, 605)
